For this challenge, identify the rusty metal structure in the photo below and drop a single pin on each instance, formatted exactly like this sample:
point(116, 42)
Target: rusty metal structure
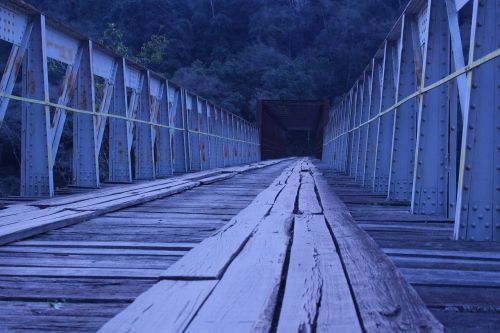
point(156, 127)
point(277, 118)
point(422, 122)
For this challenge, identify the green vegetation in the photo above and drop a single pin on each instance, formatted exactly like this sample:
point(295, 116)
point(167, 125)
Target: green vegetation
point(237, 51)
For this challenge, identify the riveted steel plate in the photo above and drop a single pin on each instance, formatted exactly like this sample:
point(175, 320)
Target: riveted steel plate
point(12, 26)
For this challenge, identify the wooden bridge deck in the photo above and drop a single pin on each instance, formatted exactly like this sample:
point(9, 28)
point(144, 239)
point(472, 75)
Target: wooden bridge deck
point(279, 252)
point(76, 278)
point(458, 280)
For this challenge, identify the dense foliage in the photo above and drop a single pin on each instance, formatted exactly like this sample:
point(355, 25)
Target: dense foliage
point(237, 51)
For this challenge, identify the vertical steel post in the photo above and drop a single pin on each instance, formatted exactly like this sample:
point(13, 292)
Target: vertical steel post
point(356, 110)
point(36, 161)
point(478, 204)
point(193, 129)
point(120, 166)
point(365, 115)
point(385, 123)
point(163, 147)
point(85, 159)
point(404, 139)
point(144, 152)
point(177, 135)
point(430, 179)
point(375, 100)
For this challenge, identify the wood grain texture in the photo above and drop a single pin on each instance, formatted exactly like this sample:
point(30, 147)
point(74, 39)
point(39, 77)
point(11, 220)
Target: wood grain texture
point(386, 302)
point(75, 278)
point(317, 296)
point(166, 307)
point(61, 212)
point(308, 202)
point(245, 298)
point(210, 259)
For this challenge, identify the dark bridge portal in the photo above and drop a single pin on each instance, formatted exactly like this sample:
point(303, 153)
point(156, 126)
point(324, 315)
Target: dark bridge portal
point(291, 128)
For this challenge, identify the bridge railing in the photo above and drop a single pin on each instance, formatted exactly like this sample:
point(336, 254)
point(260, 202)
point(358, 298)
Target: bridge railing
point(152, 126)
point(422, 123)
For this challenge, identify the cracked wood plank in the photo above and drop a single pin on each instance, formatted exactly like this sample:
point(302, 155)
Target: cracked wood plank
point(167, 306)
point(385, 300)
point(244, 300)
point(317, 296)
point(210, 259)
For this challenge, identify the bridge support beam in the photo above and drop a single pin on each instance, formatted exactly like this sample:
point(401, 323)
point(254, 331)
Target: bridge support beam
point(375, 104)
point(385, 121)
point(404, 131)
point(478, 204)
point(36, 161)
point(163, 147)
point(120, 166)
point(144, 148)
point(431, 176)
point(355, 112)
point(85, 158)
point(193, 132)
point(363, 130)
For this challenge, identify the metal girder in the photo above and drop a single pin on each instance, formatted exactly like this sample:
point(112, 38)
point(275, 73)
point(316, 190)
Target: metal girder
point(385, 122)
point(68, 87)
point(375, 101)
point(404, 130)
point(207, 151)
point(478, 204)
point(148, 117)
point(120, 165)
point(105, 104)
point(36, 162)
point(178, 140)
point(144, 147)
point(15, 57)
point(355, 112)
point(430, 178)
point(163, 144)
point(363, 142)
point(193, 135)
point(220, 134)
point(85, 157)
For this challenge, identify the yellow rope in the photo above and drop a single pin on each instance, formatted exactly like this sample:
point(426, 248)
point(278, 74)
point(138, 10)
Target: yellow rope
point(425, 89)
point(114, 116)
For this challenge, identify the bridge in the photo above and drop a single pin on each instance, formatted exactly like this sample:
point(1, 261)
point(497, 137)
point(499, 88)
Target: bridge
point(182, 217)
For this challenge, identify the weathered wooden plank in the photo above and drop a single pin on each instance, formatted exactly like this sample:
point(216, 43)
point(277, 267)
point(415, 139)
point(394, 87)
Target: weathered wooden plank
point(451, 277)
point(10, 250)
point(386, 302)
point(308, 202)
point(210, 259)
point(317, 296)
point(245, 298)
point(102, 273)
point(24, 288)
point(444, 253)
point(167, 306)
point(108, 245)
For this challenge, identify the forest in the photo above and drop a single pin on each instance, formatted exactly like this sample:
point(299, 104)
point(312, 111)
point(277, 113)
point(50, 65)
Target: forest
point(233, 52)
